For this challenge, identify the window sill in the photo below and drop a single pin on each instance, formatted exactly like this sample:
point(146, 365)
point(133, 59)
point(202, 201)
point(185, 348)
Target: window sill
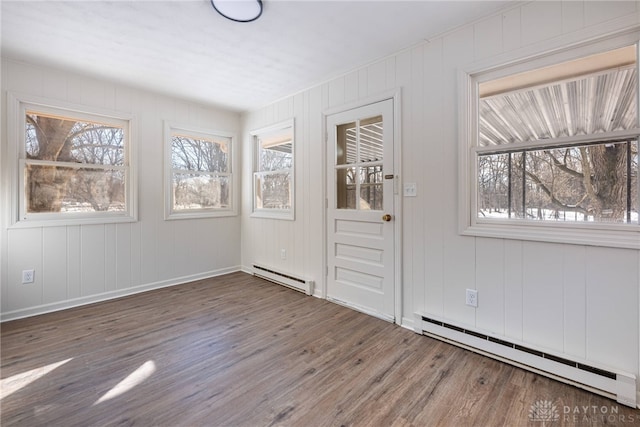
point(615, 236)
point(59, 222)
point(200, 214)
point(274, 214)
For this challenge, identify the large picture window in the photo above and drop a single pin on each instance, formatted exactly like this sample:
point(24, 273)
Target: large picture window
point(74, 166)
point(274, 171)
point(554, 151)
point(199, 179)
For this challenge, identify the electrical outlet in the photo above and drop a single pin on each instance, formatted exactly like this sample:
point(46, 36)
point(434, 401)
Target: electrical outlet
point(27, 276)
point(472, 298)
point(283, 254)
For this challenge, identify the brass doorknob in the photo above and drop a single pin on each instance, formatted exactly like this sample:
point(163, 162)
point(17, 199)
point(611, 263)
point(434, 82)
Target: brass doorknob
point(386, 217)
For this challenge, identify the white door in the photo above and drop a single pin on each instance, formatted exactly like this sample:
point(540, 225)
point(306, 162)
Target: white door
point(360, 216)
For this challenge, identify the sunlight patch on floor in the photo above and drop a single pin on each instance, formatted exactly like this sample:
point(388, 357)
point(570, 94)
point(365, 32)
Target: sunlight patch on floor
point(136, 377)
point(14, 383)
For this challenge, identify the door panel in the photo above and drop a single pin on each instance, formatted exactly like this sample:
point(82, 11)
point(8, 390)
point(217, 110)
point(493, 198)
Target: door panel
point(360, 244)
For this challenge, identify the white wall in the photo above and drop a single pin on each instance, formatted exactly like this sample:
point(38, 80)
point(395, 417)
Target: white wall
point(579, 301)
point(263, 239)
point(79, 264)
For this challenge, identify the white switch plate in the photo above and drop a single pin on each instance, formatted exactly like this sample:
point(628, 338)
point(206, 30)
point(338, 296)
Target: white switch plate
point(410, 189)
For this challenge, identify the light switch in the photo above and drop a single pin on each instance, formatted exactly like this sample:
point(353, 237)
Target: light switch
point(410, 189)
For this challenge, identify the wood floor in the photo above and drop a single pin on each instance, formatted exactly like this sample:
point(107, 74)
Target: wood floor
point(240, 351)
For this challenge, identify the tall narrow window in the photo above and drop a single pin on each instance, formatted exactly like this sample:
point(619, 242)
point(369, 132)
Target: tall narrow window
point(199, 180)
point(274, 171)
point(75, 166)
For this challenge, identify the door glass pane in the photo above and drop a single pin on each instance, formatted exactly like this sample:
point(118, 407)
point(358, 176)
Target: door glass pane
point(371, 188)
point(346, 188)
point(371, 139)
point(346, 144)
point(360, 143)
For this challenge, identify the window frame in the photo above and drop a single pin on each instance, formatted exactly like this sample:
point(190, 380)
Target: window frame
point(595, 234)
point(18, 105)
point(273, 213)
point(195, 132)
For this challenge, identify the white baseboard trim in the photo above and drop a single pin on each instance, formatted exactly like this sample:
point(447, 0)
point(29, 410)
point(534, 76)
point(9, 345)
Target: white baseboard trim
point(76, 302)
point(362, 309)
point(408, 323)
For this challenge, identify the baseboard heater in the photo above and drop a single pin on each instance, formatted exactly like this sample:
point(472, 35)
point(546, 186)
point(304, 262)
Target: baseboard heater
point(284, 279)
point(620, 386)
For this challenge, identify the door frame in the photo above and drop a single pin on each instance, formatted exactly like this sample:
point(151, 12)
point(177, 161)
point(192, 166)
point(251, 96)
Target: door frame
point(395, 96)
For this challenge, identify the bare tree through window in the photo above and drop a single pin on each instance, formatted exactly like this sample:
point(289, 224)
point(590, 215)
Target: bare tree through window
point(200, 172)
point(73, 165)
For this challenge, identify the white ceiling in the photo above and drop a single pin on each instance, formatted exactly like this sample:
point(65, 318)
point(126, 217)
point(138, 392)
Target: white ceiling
point(184, 48)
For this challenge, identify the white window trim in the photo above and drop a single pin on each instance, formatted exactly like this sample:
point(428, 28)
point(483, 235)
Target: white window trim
point(169, 214)
point(285, 214)
point(18, 104)
point(608, 235)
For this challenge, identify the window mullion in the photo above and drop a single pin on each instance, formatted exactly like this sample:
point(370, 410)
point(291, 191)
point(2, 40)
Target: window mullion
point(561, 142)
point(523, 211)
point(509, 184)
point(197, 172)
point(358, 166)
point(628, 147)
point(274, 172)
point(73, 165)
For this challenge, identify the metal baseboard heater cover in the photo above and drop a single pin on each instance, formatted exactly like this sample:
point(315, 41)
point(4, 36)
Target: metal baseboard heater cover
point(620, 386)
point(284, 279)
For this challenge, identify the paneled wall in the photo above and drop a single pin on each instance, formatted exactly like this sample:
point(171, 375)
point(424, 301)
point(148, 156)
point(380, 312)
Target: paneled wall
point(79, 264)
point(581, 301)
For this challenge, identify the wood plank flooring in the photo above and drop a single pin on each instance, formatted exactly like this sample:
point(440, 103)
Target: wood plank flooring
point(239, 351)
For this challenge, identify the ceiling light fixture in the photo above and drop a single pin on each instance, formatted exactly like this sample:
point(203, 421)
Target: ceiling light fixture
point(238, 10)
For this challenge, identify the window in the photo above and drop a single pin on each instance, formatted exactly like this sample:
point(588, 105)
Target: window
point(199, 179)
point(273, 172)
point(553, 151)
point(74, 164)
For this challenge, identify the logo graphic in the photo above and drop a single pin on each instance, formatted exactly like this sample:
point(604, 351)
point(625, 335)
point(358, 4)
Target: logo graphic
point(544, 410)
